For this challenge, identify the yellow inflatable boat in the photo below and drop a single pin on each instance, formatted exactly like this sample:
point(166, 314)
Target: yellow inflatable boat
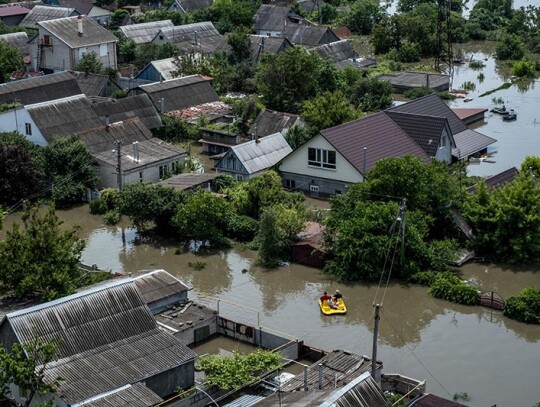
point(327, 310)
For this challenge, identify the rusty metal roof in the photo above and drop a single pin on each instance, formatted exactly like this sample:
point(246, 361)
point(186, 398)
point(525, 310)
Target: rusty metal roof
point(158, 284)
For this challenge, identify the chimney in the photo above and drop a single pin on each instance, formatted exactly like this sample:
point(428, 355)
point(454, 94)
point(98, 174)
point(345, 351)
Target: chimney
point(162, 105)
point(80, 26)
point(136, 151)
point(107, 121)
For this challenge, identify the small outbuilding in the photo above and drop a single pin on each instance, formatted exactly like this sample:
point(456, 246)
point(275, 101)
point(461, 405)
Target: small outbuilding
point(308, 247)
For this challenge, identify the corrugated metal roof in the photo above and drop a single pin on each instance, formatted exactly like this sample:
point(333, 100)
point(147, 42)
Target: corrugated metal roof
point(272, 18)
point(106, 338)
point(165, 67)
point(65, 116)
point(188, 181)
point(104, 138)
point(137, 395)
point(66, 30)
point(261, 155)
point(247, 400)
point(144, 32)
point(125, 108)
point(426, 131)
point(469, 142)
point(192, 5)
point(379, 134)
point(270, 122)
point(363, 391)
point(186, 32)
point(466, 113)
point(262, 43)
point(180, 93)
point(157, 285)
point(150, 151)
point(39, 89)
point(44, 13)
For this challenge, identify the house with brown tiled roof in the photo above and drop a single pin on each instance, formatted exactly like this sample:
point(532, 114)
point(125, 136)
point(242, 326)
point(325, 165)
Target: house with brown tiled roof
point(342, 155)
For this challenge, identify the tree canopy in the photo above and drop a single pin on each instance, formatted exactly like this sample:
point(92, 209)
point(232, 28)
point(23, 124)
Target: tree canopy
point(41, 258)
point(10, 60)
point(89, 63)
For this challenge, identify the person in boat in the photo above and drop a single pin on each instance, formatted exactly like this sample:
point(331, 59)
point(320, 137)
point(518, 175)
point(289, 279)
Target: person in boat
point(325, 297)
point(337, 295)
point(333, 304)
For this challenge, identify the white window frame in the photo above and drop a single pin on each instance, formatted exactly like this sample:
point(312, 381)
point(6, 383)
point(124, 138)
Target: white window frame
point(28, 129)
point(103, 50)
point(326, 159)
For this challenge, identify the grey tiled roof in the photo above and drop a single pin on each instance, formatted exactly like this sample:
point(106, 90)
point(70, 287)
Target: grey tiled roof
point(379, 134)
point(91, 84)
point(272, 18)
point(104, 138)
point(144, 32)
point(137, 395)
point(65, 116)
point(125, 108)
point(66, 30)
point(18, 40)
point(151, 151)
point(309, 35)
point(45, 13)
point(432, 105)
point(270, 122)
point(180, 93)
point(188, 181)
point(262, 43)
point(469, 142)
point(426, 131)
point(336, 51)
point(39, 89)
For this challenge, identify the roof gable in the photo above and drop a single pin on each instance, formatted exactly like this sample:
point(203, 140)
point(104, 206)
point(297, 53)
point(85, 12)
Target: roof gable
point(259, 155)
point(67, 31)
point(273, 18)
point(426, 131)
point(310, 35)
point(126, 108)
point(270, 121)
point(378, 134)
point(336, 51)
point(91, 84)
point(432, 105)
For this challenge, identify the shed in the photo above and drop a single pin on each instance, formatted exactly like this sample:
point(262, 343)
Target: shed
point(107, 339)
point(179, 93)
point(190, 181)
point(159, 70)
point(261, 44)
point(13, 15)
point(470, 116)
point(271, 19)
point(250, 159)
point(404, 81)
point(93, 84)
point(308, 247)
point(160, 290)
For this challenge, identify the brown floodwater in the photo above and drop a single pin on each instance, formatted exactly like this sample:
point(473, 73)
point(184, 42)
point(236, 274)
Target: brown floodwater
point(455, 348)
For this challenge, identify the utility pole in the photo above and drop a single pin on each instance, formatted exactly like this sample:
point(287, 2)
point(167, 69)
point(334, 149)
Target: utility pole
point(119, 163)
point(375, 337)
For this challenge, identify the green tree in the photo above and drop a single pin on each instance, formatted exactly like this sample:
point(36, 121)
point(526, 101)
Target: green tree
point(509, 46)
point(25, 367)
point(232, 372)
point(524, 307)
point(89, 63)
point(371, 94)
point(363, 15)
point(229, 14)
point(296, 136)
point(175, 129)
point(10, 60)
point(145, 204)
point(328, 109)
point(203, 217)
point(21, 168)
point(70, 167)
point(531, 165)
point(117, 18)
point(240, 43)
point(41, 258)
point(282, 82)
point(507, 220)
point(190, 63)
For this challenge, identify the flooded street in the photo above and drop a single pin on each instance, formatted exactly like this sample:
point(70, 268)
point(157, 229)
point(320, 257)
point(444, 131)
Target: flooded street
point(455, 348)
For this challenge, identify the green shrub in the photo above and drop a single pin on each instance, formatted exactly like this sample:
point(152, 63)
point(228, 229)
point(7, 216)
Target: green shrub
point(418, 92)
point(425, 278)
point(110, 197)
point(98, 207)
point(111, 217)
point(476, 65)
point(242, 228)
point(197, 265)
point(454, 290)
point(524, 307)
point(524, 68)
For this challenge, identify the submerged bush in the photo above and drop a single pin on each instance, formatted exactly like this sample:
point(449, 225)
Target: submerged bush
point(447, 286)
point(524, 307)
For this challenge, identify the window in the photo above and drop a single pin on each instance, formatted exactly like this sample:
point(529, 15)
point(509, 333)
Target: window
point(314, 188)
point(140, 177)
point(442, 143)
point(82, 51)
point(290, 183)
point(161, 37)
point(47, 40)
point(28, 129)
point(317, 157)
point(163, 171)
point(239, 177)
point(103, 50)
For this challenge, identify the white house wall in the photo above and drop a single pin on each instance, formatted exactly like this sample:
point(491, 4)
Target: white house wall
point(16, 120)
point(100, 15)
point(60, 57)
point(445, 153)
